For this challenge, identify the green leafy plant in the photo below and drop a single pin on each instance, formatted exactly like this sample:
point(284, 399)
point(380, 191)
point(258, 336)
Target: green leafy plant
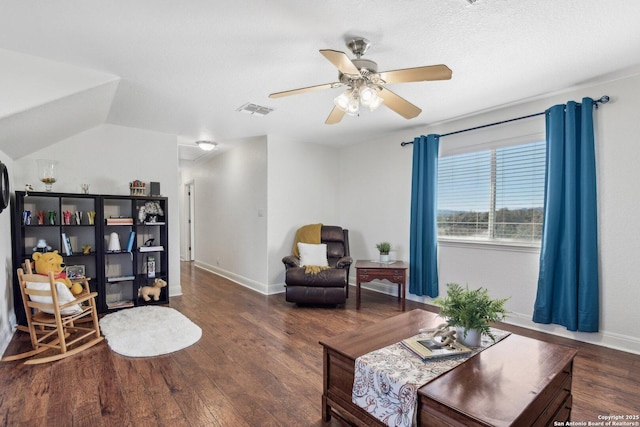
point(384, 248)
point(471, 308)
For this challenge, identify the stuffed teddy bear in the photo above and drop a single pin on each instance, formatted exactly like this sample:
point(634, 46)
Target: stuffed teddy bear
point(51, 261)
point(154, 290)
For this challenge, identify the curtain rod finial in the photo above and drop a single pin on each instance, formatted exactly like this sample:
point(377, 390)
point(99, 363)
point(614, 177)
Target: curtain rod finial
point(604, 99)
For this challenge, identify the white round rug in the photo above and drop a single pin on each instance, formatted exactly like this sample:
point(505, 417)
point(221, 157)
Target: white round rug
point(148, 331)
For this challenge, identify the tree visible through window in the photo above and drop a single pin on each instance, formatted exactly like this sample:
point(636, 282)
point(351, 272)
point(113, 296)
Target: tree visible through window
point(493, 195)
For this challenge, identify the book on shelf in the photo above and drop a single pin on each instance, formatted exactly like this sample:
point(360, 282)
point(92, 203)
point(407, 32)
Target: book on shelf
point(430, 348)
point(119, 220)
point(120, 304)
point(154, 223)
point(151, 248)
point(132, 237)
point(120, 278)
point(66, 245)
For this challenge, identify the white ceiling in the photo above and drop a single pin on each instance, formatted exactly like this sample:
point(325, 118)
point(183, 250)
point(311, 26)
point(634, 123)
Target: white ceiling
point(184, 67)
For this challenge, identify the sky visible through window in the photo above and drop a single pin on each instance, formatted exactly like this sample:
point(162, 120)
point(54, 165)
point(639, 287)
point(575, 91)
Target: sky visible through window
point(464, 180)
point(520, 180)
point(495, 194)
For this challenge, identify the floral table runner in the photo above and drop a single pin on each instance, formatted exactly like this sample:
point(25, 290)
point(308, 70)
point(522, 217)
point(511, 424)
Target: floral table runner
point(386, 381)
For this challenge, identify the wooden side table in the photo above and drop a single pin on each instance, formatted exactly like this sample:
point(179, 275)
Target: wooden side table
point(394, 272)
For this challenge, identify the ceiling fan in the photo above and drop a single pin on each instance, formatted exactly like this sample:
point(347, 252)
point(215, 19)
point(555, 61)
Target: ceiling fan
point(365, 85)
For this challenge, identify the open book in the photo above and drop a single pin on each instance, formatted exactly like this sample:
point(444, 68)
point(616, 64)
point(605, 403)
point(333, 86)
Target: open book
point(431, 348)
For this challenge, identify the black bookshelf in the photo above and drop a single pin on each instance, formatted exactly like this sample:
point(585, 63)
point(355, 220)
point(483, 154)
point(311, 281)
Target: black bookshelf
point(64, 221)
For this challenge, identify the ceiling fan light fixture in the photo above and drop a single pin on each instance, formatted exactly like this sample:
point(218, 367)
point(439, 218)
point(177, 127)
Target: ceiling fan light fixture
point(354, 107)
point(207, 145)
point(367, 95)
point(375, 103)
point(342, 101)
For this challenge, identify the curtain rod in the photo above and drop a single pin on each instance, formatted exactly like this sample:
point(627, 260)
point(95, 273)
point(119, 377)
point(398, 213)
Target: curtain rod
point(603, 100)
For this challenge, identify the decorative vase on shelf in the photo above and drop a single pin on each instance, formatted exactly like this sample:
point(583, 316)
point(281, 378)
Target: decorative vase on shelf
point(114, 242)
point(47, 172)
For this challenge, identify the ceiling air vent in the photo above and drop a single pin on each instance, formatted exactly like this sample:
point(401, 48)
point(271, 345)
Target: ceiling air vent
point(254, 109)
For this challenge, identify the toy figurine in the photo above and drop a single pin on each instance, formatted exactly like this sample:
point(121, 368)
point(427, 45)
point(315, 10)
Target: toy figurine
point(67, 217)
point(42, 246)
point(154, 290)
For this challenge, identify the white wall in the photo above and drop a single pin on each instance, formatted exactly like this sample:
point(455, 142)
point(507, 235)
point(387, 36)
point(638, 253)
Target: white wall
point(108, 157)
point(385, 215)
point(231, 213)
point(304, 184)
point(251, 200)
point(7, 316)
point(376, 197)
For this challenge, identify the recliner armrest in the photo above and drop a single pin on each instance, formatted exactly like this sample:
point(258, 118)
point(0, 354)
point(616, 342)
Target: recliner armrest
point(291, 261)
point(343, 262)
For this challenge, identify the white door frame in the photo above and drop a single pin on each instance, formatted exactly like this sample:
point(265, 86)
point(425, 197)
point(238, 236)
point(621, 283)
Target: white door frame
point(190, 226)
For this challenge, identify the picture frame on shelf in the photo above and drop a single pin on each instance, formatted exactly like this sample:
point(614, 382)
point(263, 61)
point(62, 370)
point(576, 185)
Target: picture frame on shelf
point(75, 271)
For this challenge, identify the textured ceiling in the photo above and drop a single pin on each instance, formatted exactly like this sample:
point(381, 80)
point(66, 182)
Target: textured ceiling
point(185, 67)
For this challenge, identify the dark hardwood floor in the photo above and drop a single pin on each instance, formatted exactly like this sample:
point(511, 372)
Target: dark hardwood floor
point(258, 363)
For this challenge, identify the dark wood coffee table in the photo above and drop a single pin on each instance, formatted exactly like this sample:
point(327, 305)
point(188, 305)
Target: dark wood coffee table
point(518, 381)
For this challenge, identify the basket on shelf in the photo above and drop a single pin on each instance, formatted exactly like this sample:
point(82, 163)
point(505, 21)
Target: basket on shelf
point(137, 188)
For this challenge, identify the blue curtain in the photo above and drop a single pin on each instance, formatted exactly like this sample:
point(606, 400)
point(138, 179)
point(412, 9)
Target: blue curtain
point(568, 284)
point(423, 251)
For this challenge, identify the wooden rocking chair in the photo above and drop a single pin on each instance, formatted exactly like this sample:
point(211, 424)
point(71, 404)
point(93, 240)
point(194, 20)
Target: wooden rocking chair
point(57, 320)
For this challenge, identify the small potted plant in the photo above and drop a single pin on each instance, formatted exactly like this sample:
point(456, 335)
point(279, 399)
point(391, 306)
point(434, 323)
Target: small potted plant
point(471, 311)
point(384, 248)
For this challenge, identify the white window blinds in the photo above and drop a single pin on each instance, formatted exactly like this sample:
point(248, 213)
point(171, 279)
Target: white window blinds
point(493, 195)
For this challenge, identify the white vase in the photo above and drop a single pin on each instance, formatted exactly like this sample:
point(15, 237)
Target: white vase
point(473, 338)
point(384, 257)
point(114, 242)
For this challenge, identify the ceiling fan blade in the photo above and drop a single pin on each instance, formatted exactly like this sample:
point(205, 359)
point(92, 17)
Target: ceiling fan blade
point(399, 104)
point(341, 61)
point(417, 74)
point(335, 116)
point(304, 89)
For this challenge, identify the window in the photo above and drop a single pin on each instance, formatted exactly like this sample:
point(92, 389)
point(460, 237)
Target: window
point(493, 195)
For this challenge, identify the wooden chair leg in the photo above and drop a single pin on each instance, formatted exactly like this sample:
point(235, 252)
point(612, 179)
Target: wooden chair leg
point(76, 350)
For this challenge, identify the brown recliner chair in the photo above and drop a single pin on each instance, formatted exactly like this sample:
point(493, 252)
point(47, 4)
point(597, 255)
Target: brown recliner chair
point(329, 286)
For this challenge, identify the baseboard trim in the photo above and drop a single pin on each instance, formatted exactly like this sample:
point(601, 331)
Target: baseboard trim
point(603, 338)
point(277, 288)
point(241, 280)
point(5, 339)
